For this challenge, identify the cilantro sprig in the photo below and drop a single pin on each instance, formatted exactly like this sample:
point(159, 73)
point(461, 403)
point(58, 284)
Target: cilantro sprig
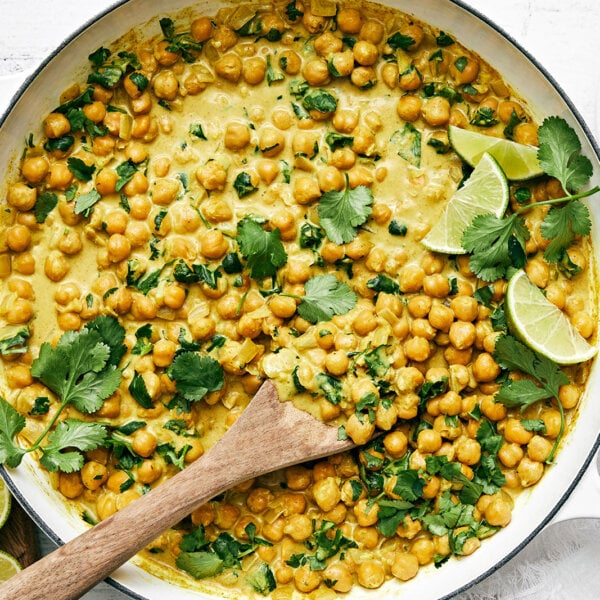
point(498, 244)
point(546, 379)
point(82, 370)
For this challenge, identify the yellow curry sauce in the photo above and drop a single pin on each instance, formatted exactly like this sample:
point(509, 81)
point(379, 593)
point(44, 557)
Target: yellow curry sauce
point(247, 120)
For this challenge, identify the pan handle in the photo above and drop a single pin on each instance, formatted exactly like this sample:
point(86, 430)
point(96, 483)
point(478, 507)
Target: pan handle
point(584, 501)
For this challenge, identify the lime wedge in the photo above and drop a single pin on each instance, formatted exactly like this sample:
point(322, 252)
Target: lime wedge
point(541, 325)
point(9, 566)
point(518, 161)
point(5, 502)
point(486, 191)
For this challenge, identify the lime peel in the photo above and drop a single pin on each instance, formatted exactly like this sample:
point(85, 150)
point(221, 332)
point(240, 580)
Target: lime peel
point(5, 502)
point(541, 325)
point(9, 566)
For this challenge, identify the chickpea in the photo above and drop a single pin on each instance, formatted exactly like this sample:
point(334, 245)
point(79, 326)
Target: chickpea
point(316, 72)
point(298, 478)
point(164, 57)
point(70, 485)
point(299, 527)
point(363, 77)
point(56, 266)
point(510, 454)
point(409, 107)
point(21, 196)
point(495, 411)
point(340, 574)
point(305, 189)
point(372, 31)
point(370, 574)
point(330, 178)
point(360, 431)
point(342, 63)
point(229, 67)
point(254, 70)
point(468, 451)
point(306, 580)
point(366, 515)
point(290, 62)
point(337, 362)
point(213, 176)
point(538, 272)
point(410, 80)
point(462, 334)
point(327, 43)
point(201, 29)
point(226, 515)
point(271, 142)
point(464, 70)
point(149, 471)
point(485, 368)
point(539, 448)
point(237, 136)
point(349, 20)
point(529, 471)
point(138, 184)
point(345, 120)
point(195, 451)
point(515, 432)
point(56, 125)
point(143, 308)
point(142, 104)
point(405, 566)
point(365, 53)
point(326, 493)
point(429, 441)
point(436, 111)
point(18, 238)
point(35, 168)
point(526, 133)
point(93, 475)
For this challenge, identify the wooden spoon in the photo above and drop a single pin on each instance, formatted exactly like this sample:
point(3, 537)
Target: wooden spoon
point(267, 436)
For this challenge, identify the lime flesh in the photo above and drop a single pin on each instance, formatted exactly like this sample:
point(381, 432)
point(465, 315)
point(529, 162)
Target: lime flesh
point(486, 191)
point(518, 161)
point(541, 325)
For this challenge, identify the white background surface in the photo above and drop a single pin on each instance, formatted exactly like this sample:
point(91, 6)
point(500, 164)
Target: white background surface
point(563, 36)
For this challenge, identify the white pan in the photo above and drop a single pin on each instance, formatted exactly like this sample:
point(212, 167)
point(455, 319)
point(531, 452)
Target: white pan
point(536, 507)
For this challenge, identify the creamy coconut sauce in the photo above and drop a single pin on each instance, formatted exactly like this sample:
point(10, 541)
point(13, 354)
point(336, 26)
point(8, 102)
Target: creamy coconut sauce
point(181, 206)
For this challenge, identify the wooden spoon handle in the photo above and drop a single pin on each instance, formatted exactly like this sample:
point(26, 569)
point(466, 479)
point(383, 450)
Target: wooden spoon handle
point(269, 434)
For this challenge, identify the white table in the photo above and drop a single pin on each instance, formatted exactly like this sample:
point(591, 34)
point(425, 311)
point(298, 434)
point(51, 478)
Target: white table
point(563, 37)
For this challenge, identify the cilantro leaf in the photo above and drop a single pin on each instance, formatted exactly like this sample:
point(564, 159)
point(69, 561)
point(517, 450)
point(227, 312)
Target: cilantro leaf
point(195, 376)
point(262, 249)
point(262, 580)
point(11, 423)
point(44, 205)
point(561, 225)
point(200, 564)
point(84, 204)
point(325, 297)
point(243, 185)
point(341, 213)
point(15, 342)
point(72, 434)
point(330, 386)
point(495, 244)
point(560, 155)
point(179, 43)
point(80, 169)
point(197, 273)
point(391, 514)
point(139, 392)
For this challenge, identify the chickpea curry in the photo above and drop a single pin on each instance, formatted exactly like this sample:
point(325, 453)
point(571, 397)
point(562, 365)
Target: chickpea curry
point(243, 197)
